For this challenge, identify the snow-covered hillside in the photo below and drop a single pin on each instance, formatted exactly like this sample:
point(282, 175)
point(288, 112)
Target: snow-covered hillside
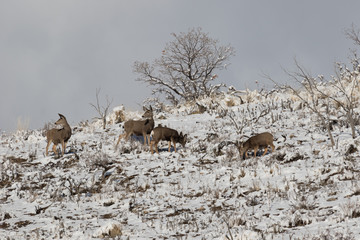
point(306, 189)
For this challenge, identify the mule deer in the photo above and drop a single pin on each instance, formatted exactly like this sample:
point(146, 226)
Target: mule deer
point(167, 134)
point(255, 142)
point(57, 136)
point(139, 127)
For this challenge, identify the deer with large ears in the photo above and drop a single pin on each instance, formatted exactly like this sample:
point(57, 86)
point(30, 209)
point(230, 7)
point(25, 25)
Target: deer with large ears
point(255, 142)
point(57, 136)
point(139, 127)
point(167, 134)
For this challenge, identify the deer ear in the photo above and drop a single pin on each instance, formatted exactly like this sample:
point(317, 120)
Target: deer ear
point(150, 108)
point(61, 116)
point(185, 138)
point(144, 108)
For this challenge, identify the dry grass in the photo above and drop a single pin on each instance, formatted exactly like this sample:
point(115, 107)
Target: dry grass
point(22, 124)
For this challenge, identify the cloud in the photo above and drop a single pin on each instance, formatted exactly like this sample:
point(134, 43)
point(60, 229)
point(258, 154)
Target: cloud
point(55, 54)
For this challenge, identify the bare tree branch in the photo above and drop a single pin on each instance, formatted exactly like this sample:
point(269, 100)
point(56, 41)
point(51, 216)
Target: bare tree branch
point(353, 34)
point(101, 110)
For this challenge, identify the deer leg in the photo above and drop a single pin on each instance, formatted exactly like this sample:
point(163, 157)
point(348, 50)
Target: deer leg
point(63, 147)
point(156, 147)
point(169, 147)
point(117, 143)
point(47, 147)
point(148, 139)
point(255, 150)
point(54, 149)
point(120, 137)
point(127, 135)
point(145, 138)
point(151, 147)
point(265, 151)
point(174, 143)
point(272, 148)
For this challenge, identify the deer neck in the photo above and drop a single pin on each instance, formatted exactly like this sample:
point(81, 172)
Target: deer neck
point(67, 127)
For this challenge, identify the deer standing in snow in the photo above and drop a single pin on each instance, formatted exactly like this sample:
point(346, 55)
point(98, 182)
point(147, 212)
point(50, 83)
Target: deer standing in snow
point(167, 134)
point(57, 136)
point(139, 127)
point(255, 142)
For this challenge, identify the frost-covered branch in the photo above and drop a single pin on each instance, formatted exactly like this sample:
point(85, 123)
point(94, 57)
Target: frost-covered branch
point(309, 94)
point(353, 34)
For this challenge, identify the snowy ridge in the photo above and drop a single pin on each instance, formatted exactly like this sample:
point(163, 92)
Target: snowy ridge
point(306, 189)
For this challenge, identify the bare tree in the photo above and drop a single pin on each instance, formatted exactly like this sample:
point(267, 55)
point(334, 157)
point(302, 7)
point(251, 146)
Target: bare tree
point(352, 77)
point(346, 85)
point(310, 94)
point(102, 111)
point(340, 94)
point(187, 67)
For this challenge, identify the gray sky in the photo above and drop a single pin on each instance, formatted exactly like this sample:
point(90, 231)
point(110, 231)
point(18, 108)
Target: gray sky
point(54, 54)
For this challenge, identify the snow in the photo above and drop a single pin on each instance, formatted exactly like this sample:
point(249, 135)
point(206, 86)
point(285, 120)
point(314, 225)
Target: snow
point(306, 189)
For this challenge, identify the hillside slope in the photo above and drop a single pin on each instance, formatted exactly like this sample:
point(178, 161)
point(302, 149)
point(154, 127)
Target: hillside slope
point(306, 189)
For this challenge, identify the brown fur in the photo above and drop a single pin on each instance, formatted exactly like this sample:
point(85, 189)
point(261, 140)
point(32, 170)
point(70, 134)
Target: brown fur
point(262, 140)
point(140, 127)
point(57, 136)
point(166, 134)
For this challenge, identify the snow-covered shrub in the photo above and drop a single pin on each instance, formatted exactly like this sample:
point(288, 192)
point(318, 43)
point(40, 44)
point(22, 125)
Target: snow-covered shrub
point(110, 230)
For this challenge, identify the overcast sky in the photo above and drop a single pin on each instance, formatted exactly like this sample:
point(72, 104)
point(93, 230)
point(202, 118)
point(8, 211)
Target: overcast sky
point(54, 54)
